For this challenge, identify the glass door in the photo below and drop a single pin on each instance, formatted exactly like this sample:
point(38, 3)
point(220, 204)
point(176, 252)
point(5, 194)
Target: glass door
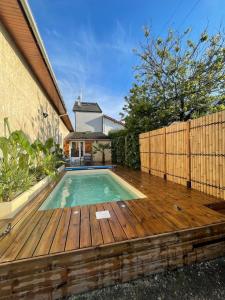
point(77, 149)
point(74, 152)
point(81, 151)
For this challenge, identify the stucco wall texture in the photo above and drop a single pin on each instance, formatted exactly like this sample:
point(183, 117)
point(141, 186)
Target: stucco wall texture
point(22, 100)
point(97, 157)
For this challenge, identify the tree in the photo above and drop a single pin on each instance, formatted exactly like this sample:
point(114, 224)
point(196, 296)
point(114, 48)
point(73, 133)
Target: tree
point(177, 79)
point(101, 148)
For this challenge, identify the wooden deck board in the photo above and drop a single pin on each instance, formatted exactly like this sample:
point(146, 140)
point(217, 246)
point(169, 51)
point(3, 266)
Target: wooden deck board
point(54, 253)
point(85, 230)
point(59, 241)
point(29, 248)
point(21, 238)
point(47, 238)
point(168, 207)
point(116, 227)
point(73, 237)
point(96, 233)
point(107, 234)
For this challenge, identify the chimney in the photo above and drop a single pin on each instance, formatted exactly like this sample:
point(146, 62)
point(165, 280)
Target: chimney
point(78, 101)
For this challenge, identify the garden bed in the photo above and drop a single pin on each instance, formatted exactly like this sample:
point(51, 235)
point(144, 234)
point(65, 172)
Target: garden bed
point(10, 209)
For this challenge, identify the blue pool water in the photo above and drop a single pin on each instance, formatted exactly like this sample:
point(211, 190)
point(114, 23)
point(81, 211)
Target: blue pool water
point(83, 189)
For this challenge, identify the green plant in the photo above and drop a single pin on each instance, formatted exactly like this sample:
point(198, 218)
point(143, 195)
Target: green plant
point(47, 157)
point(58, 152)
point(125, 148)
point(176, 79)
point(15, 175)
point(23, 163)
point(102, 149)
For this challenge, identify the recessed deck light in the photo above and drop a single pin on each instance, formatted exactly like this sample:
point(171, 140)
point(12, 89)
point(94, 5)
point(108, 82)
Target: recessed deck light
point(104, 214)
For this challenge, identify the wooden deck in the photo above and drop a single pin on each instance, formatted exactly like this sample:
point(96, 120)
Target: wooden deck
point(62, 251)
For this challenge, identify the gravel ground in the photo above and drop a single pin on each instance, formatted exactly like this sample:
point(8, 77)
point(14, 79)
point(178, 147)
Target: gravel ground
point(201, 281)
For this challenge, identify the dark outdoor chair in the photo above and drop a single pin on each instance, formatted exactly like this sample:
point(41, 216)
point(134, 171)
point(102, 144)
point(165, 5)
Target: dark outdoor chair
point(87, 159)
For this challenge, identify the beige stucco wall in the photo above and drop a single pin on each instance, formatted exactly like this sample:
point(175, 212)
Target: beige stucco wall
point(22, 100)
point(98, 156)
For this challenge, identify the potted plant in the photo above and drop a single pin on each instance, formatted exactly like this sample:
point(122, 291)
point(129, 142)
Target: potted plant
point(102, 148)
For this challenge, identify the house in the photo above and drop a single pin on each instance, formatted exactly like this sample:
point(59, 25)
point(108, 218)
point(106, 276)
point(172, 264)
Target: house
point(91, 127)
point(79, 145)
point(110, 124)
point(89, 117)
point(29, 95)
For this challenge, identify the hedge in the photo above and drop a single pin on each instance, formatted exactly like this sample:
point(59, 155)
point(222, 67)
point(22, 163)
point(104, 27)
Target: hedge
point(125, 149)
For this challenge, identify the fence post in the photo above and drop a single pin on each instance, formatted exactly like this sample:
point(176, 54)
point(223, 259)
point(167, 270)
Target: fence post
point(149, 153)
point(165, 175)
point(188, 141)
point(125, 149)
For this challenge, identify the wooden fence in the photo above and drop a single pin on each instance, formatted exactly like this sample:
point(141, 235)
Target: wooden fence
point(191, 153)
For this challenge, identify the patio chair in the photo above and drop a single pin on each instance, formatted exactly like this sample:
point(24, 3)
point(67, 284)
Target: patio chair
point(87, 159)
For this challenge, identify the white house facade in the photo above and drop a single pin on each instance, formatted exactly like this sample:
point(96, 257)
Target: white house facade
point(110, 124)
point(91, 128)
point(89, 117)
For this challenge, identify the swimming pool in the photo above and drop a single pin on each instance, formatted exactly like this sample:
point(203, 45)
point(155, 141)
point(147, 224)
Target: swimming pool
point(78, 188)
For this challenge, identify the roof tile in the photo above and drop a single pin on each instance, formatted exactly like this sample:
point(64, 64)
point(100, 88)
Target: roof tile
point(87, 107)
point(86, 136)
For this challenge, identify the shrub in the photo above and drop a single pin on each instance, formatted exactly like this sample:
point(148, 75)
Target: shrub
point(125, 148)
point(15, 175)
point(22, 163)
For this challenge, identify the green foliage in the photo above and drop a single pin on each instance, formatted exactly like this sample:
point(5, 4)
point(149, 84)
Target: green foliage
point(22, 164)
point(125, 148)
point(47, 157)
point(15, 176)
point(101, 148)
point(132, 157)
point(176, 79)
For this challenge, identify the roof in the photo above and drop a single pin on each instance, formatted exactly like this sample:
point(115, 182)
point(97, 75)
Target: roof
point(25, 34)
point(86, 136)
point(113, 120)
point(87, 107)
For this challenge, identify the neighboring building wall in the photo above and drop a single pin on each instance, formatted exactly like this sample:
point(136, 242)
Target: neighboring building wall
point(88, 121)
point(22, 99)
point(98, 156)
point(109, 125)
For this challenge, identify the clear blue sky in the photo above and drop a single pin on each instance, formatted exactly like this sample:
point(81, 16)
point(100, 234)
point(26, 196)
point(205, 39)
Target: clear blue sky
point(90, 42)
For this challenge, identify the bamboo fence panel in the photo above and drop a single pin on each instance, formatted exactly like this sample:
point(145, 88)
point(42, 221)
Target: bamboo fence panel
point(144, 151)
point(177, 153)
point(190, 153)
point(157, 153)
point(207, 138)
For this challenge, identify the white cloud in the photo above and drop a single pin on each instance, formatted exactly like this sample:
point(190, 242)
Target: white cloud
point(81, 61)
point(111, 103)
